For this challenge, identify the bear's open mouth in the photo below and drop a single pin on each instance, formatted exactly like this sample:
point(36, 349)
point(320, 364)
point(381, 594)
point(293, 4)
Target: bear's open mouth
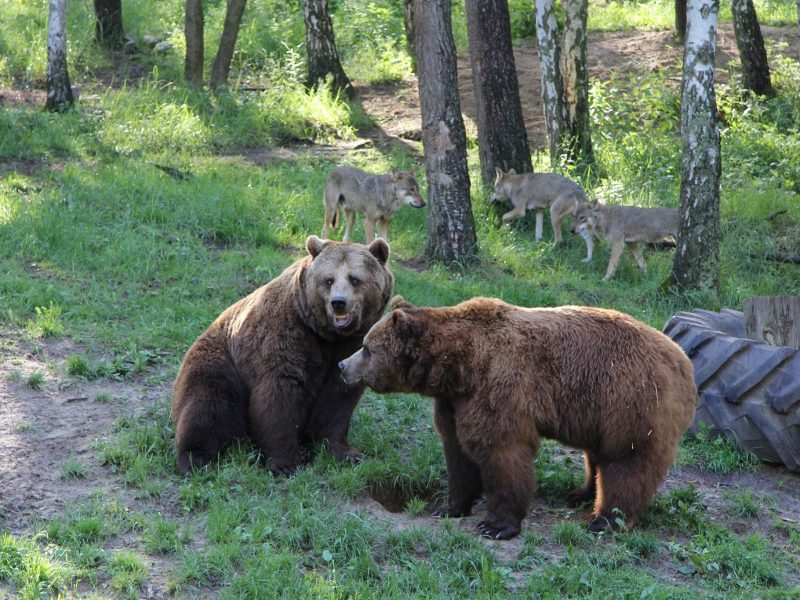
point(342, 321)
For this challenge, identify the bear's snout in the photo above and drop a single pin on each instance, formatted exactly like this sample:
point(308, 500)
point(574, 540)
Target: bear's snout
point(338, 303)
point(341, 365)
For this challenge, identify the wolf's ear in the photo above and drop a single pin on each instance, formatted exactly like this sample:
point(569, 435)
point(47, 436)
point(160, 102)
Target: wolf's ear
point(593, 204)
point(400, 302)
point(380, 250)
point(512, 172)
point(314, 245)
point(498, 172)
point(395, 175)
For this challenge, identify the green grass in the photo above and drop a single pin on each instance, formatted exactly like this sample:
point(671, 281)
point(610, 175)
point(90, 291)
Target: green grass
point(100, 247)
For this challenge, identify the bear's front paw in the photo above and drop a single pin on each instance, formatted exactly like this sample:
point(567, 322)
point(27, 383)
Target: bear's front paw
point(498, 529)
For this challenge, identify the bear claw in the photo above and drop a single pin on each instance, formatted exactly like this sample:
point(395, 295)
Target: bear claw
point(497, 532)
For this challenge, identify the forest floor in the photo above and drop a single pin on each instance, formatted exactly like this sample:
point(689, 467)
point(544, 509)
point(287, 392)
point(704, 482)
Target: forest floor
point(41, 428)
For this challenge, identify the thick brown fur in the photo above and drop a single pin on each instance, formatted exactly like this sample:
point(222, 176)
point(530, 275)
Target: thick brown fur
point(266, 367)
point(503, 377)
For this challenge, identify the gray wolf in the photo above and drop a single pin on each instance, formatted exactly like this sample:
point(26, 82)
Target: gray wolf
point(621, 225)
point(502, 377)
point(377, 197)
point(537, 191)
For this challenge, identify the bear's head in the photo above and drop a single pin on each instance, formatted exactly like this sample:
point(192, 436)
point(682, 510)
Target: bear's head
point(389, 360)
point(344, 287)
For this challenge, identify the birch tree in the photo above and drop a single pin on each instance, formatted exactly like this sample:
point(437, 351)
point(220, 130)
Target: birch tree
point(221, 66)
point(323, 58)
point(451, 228)
point(696, 263)
point(552, 87)
point(193, 31)
point(502, 140)
point(575, 75)
point(108, 23)
point(59, 91)
point(755, 67)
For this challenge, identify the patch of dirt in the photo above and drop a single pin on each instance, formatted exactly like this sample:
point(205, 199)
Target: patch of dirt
point(395, 108)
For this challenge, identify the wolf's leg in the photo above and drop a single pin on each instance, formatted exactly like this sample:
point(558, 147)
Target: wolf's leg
point(637, 254)
point(515, 213)
point(369, 229)
point(383, 228)
point(560, 210)
point(589, 239)
point(349, 217)
point(539, 224)
point(617, 246)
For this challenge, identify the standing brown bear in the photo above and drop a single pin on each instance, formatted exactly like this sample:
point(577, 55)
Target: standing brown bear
point(503, 376)
point(267, 367)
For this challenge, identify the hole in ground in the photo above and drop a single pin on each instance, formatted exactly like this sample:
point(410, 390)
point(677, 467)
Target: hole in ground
point(394, 496)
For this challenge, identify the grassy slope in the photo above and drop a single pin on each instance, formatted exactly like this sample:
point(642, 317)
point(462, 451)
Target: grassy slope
point(98, 245)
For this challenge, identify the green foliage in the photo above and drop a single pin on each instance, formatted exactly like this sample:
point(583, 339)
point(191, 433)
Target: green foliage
point(715, 453)
point(47, 323)
point(35, 380)
point(73, 469)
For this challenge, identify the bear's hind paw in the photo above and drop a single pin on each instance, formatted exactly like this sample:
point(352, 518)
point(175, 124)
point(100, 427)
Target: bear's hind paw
point(445, 512)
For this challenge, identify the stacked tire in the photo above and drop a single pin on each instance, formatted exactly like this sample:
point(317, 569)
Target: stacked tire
point(748, 391)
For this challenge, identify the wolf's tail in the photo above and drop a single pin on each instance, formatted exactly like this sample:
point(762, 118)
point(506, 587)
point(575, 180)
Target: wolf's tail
point(335, 219)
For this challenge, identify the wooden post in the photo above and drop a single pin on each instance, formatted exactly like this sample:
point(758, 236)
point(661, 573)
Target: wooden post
point(773, 319)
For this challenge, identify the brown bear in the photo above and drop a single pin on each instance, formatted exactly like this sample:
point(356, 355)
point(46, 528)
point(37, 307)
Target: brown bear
point(503, 376)
point(267, 367)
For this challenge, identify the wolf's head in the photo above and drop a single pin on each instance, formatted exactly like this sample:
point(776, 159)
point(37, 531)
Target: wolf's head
point(500, 193)
point(406, 189)
point(584, 218)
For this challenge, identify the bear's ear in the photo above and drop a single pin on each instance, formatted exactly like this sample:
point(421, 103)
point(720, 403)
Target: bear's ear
point(314, 245)
point(400, 302)
point(380, 250)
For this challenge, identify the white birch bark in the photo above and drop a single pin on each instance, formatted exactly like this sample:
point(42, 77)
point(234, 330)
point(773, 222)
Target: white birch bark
point(696, 263)
point(552, 91)
point(575, 80)
point(59, 92)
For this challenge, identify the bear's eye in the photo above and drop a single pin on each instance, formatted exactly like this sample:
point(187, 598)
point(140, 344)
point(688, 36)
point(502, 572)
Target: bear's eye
point(366, 352)
point(329, 281)
point(354, 281)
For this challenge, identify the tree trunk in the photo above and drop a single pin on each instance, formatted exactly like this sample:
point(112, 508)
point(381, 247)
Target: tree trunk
point(552, 86)
point(575, 78)
point(323, 58)
point(230, 31)
point(773, 319)
point(108, 24)
point(696, 263)
point(59, 91)
point(502, 141)
point(451, 228)
point(408, 26)
point(755, 67)
point(193, 30)
point(680, 19)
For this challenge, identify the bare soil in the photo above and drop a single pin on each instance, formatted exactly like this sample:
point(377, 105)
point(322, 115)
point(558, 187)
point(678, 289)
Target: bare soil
point(41, 429)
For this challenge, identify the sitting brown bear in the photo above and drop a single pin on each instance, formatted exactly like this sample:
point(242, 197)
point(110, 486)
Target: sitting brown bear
point(267, 367)
point(502, 376)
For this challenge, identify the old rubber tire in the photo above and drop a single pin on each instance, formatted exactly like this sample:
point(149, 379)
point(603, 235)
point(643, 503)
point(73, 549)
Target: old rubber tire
point(748, 391)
